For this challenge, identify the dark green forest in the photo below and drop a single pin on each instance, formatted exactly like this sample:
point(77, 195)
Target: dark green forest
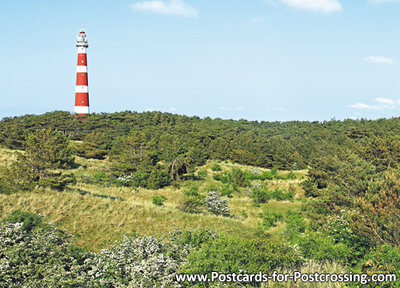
point(351, 213)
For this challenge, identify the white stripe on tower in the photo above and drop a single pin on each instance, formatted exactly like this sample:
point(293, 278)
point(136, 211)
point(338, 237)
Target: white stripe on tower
point(81, 89)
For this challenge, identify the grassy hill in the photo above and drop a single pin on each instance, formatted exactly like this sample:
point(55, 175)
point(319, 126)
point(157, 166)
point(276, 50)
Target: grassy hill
point(99, 213)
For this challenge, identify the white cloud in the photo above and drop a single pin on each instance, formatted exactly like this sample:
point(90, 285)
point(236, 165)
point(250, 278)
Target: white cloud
point(386, 101)
point(239, 108)
point(325, 6)
point(378, 60)
point(360, 105)
point(383, 103)
point(381, 1)
point(173, 7)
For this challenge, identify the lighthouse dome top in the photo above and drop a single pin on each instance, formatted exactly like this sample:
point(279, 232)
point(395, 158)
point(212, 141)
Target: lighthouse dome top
point(82, 41)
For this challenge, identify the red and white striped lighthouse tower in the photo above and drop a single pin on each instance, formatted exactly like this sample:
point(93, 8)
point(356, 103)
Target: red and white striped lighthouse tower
point(81, 90)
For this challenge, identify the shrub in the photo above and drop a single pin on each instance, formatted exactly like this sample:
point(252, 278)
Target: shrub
point(57, 181)
point(310, 187)
point(269, 219)
point(6, 185)
point(46, 151)
point(158, 179)
point(40, 257)
point(191, 204)
point(159, 200)
point(138, 261)
point(216, 204)
point(193, 238)
point(318, 246)
point(30, 221)
point(238, 177)
point(378, 219)
point(340, 228)
point(90, 150)
point(229, 254)
point(216, 167)
point(381, 260)
point(202, 174)
point(224, 177)
point(227, 190)
point(260, 195)
point(191, 191)
point(280, 195)
point(295, 224)
point(212, 187)
point(35, 257)
point(100, 178)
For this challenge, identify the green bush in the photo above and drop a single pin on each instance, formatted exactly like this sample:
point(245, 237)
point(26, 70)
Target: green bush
point(269, 219)
point(310, 187)
point(191, 204)
point(193, 238)
point(90, 150)
point(232, 255)
point(6, 185)
point(212, 187)
point(224, 177)
point(57, 181)
point(227, 190)
point(30, 221)
point(318, 246)
point(202, 174)
point(378, 218)
point(46, 151)
point(260, 195)
point(339, 227)
point(295, 224)
point(159, 200)
point(216, 167)
point(191, 191)
point(280, 195)
point(100, 178)
point(381, 260)
point(157, 179)
point(238, 177)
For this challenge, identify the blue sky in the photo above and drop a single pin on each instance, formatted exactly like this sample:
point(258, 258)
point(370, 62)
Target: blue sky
point(272, 60)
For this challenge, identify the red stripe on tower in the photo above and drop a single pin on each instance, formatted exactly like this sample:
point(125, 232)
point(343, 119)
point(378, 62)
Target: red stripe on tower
point(81, 90)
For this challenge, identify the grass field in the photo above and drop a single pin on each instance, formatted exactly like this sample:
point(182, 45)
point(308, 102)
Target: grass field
point(99, 214)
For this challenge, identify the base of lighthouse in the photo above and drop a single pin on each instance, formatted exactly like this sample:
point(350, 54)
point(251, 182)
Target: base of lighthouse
point(81, 110)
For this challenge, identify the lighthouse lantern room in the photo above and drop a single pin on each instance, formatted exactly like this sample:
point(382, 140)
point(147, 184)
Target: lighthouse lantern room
point(81, 90)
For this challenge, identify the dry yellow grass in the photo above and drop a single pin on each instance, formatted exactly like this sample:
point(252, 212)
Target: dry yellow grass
point(312, 267)
point(98, 215)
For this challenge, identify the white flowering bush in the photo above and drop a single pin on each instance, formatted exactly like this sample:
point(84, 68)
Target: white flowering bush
point(339, 227)
point(37, 258)
point(138, 262)
point(126, 179)
point(45, 258)
point(216, 204)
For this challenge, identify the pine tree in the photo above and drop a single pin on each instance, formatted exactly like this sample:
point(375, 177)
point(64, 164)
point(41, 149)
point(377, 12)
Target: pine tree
point(46, 152)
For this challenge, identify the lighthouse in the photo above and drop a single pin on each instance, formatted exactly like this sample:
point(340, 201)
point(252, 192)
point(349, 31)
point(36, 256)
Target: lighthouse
point(81, 90)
